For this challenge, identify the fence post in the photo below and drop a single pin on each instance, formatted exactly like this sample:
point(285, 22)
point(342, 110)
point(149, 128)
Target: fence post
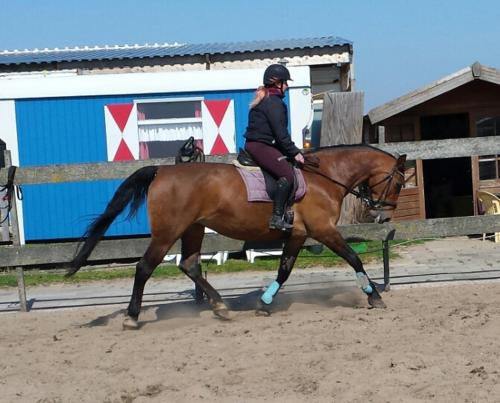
point(342, 123)
point(16, 241)
point(387, 274)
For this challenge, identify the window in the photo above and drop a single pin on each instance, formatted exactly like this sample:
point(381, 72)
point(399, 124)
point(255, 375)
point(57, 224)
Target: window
point(3, 147)
point(397, 133)
point(489, 165)
point(165, 124)
point(410, 174)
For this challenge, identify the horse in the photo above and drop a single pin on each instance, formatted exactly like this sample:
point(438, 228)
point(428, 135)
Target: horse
point(183, 199)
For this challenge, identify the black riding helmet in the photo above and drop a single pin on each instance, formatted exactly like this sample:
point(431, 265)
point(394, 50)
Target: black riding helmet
point(276, 72)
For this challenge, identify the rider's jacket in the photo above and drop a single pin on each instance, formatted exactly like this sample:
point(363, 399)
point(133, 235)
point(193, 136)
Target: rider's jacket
point(268, 123)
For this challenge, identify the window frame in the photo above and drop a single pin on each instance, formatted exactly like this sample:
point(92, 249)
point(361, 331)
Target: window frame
point(142, 125)
point(169, 120)
point(490, 157)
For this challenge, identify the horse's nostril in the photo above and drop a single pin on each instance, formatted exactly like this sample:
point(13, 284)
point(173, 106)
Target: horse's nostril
point(381, 218)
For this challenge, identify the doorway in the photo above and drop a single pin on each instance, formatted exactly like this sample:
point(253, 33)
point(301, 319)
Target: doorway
point(3, 147)
point(447, 181)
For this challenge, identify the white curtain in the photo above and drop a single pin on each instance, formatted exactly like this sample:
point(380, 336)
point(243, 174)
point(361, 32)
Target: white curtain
point(170, 132)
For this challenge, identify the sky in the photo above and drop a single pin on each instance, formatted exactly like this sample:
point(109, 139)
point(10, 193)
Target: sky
point(398, 45)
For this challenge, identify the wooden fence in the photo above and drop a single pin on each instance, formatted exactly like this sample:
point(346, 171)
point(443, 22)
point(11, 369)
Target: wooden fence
point(19, 256)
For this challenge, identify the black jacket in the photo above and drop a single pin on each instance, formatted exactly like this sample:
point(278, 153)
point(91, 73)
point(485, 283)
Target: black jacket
point(268, 123)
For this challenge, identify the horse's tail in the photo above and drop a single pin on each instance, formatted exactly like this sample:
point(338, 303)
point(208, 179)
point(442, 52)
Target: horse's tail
point(132, 191)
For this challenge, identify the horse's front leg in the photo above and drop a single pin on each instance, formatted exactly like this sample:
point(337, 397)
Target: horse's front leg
point(337, 244)
point(287, 260)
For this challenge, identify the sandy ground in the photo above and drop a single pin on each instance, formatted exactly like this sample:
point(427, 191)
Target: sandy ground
point(431, 344)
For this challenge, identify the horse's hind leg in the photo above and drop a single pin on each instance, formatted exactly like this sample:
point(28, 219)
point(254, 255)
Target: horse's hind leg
point(337, 244)
point(190, 265)
point(152, 258)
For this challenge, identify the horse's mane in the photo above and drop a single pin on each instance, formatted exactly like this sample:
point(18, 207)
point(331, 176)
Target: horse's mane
point(341, 147)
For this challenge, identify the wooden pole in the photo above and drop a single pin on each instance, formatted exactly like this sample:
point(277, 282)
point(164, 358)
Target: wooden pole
point(342, 123)
point(16, 241)
point(381, 134)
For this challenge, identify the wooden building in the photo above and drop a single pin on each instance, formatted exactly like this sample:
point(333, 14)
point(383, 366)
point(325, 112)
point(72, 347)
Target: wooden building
point(463, 104)
point(116, 103)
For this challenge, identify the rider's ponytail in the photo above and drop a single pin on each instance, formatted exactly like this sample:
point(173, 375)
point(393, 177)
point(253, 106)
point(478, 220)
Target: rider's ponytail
point(260, 94)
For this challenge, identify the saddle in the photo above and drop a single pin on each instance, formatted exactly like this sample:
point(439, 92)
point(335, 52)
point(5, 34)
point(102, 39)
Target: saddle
point(245, 161)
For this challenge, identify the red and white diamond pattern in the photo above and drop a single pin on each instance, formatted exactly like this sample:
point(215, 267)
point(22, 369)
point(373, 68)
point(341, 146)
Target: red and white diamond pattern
point(218, 126)
point(121, 132)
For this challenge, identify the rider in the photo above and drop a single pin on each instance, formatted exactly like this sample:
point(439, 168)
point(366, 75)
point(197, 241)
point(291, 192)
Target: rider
point(268, 140)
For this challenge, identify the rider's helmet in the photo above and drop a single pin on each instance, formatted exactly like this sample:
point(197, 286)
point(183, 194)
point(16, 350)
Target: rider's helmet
point(276, 73)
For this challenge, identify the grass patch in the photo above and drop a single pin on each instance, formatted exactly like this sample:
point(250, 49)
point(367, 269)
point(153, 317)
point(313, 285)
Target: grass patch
point(370, 252)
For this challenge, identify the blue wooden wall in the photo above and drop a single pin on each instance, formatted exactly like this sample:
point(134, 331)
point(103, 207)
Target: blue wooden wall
point(72, 130)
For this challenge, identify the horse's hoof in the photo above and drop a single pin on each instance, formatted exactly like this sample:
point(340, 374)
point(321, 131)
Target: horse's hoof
point(262, 310)
point(221, 311)
point(376, 302)
point(130, 324)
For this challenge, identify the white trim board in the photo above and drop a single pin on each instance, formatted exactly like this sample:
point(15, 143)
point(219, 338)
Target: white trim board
point(142, 83)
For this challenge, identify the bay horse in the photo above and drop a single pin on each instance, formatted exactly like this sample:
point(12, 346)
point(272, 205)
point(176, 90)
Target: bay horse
point(184, 199)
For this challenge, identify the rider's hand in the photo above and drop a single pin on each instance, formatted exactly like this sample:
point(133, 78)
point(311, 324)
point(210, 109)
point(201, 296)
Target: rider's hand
point(299, 158)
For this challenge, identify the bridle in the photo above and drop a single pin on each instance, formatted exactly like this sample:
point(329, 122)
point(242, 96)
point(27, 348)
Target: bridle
point(365, 191)
point(189, 152)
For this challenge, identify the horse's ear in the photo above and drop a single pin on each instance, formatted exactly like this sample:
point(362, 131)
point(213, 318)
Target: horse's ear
point(401, 162)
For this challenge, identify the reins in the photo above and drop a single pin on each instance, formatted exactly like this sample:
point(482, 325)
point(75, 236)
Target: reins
point(9, 189)
point(311, 164)
point(189, 152)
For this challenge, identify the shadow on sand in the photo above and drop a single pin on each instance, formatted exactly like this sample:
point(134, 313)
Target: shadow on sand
point(339, 296)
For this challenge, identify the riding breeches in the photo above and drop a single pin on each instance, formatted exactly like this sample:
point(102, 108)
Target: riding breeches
point(271, 159)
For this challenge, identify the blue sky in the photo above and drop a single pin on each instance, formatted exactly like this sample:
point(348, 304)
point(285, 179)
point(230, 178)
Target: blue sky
point(398, 45)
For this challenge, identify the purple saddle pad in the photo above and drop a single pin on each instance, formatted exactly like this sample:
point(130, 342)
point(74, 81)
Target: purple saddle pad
point(256, 185)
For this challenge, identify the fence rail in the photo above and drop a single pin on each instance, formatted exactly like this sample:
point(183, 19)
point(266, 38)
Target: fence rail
point(429, 149)
point(119, 249)
point(31, 255)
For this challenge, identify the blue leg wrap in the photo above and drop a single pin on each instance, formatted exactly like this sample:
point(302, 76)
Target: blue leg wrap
point(364, 283)
point(271, 291)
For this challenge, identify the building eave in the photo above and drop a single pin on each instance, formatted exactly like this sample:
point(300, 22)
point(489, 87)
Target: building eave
point(436, 88)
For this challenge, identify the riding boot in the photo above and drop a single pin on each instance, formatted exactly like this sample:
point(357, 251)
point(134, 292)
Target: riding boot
point(280, 199)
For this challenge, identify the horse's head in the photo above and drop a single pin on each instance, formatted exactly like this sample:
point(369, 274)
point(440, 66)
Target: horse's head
point(378, 174)
point(381, 190)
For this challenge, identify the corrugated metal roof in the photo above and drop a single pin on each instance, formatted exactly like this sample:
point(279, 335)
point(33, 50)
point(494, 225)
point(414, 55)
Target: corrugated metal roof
point(38, 56)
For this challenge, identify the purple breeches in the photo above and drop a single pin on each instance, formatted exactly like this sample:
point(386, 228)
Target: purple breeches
point(270, 159)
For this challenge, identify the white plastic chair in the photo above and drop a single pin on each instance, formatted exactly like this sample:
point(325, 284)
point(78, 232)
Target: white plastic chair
point(220, 257)
point(253, 253)
point(491, 205)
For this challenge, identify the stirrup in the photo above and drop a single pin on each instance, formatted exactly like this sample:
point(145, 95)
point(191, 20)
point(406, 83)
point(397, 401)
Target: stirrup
point(278, 223)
